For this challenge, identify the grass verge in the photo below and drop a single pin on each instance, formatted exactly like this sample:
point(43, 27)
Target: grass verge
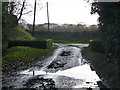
point(21, 55)
point(104, 68)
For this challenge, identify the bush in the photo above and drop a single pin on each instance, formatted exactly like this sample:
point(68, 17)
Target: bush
point(96, 46)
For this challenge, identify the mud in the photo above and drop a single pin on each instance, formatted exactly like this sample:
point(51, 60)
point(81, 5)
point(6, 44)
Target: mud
point(40, 83)
point(64, 68)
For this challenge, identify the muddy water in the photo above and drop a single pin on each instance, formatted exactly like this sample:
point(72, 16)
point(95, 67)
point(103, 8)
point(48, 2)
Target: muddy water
point(65, 67)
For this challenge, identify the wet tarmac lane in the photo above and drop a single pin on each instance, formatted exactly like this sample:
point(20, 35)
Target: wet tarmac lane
point(64, 69)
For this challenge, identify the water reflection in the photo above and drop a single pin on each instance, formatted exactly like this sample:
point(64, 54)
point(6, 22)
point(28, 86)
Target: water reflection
point(82, 73)
point(75, 74)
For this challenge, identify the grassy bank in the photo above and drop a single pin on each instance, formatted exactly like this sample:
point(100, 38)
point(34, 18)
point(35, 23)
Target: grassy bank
point(15, 34)
point(105, 69)
point(18, 56)
point(20, 34)
point(24, 53)
point(69, 37)
point(15, 57)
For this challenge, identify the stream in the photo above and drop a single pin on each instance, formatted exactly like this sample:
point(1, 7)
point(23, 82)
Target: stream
point(65, 68)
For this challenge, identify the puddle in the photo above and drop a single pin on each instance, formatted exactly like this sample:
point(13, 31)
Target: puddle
point(82, 75)
point(65, 53)
point(75, 73)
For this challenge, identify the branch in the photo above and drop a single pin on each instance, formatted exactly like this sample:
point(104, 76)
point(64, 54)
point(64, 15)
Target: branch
point(27, 12)
point(21, 10)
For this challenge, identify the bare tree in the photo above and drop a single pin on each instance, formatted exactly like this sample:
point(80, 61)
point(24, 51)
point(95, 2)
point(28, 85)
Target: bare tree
point(21, 11)
point(16, 8)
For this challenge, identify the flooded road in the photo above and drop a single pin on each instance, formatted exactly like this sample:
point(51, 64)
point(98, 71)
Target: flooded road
point(65, 68)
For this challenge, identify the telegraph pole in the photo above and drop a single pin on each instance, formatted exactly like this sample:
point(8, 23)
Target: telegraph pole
point(48, 20)
point(34, 19)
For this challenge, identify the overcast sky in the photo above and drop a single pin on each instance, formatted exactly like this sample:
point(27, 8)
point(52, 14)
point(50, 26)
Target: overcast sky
point(62, 12)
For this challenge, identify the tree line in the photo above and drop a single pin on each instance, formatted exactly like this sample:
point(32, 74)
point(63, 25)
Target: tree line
point(109, 23)
point(64, 27)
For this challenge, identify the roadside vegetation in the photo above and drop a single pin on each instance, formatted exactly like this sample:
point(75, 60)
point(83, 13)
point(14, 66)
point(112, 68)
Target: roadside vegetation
point(106, 70)
point(109, 24)
point(69, 37)
point(67, 33)
point(21, 56)
point(24, 53)
point(20, 34)
point(15, 57)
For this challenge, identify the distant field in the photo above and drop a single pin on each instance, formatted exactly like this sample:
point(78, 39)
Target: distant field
point(69, 37)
